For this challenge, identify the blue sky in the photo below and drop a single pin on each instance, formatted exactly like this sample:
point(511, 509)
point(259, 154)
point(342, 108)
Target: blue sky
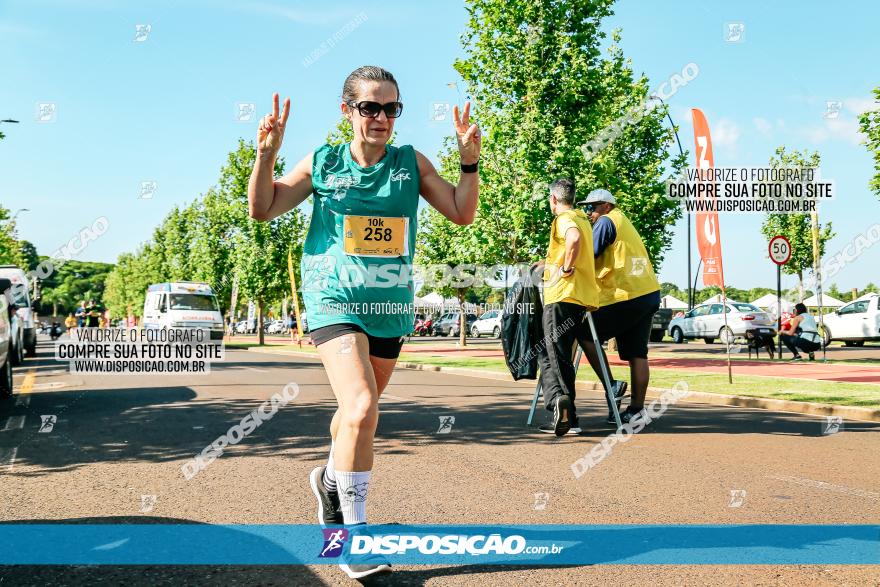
point(164, 109)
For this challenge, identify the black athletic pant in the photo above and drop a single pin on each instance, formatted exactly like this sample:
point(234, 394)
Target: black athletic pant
point(562, 322)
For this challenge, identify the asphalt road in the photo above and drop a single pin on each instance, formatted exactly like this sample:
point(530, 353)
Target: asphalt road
point(118, 438)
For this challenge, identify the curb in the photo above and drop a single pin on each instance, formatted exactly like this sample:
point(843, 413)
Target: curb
point(718, 399)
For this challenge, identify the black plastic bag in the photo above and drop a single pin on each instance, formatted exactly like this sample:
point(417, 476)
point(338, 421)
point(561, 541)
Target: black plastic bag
point(521, 329)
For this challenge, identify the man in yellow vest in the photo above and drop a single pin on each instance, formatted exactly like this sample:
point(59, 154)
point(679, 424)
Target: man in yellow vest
point(570, 291)
point(629, 296)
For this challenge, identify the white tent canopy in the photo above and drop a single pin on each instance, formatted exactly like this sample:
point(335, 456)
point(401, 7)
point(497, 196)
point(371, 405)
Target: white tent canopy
point(673, 303)
point(432, 298)
point(827, 302)
point(435, 299)
point(769, 302)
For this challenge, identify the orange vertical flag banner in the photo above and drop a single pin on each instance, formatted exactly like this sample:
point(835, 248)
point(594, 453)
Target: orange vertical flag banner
point(708, 231)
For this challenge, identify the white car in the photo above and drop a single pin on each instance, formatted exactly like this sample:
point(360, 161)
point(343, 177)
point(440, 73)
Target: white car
point(707, 322)
point(489, 323)
point(275, 327)
point(855, 322)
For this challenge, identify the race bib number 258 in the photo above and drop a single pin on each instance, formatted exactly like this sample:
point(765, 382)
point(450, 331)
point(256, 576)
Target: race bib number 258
point(376, 236)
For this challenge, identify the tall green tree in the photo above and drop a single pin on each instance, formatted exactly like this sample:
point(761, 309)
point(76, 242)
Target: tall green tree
point(542, 89)
point(796, 227)
point(70, 283)
point(10, 246)
point(29, 254)
point(869, 123)
point(260, 248)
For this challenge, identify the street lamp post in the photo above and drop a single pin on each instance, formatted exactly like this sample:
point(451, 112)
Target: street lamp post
point(681, 151)
point(17, 212)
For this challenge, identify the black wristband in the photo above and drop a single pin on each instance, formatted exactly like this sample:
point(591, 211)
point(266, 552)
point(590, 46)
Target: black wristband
point(472, 168)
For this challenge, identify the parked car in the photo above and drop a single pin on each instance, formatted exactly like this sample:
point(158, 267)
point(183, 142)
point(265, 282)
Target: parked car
point(275, 327)
point(660, 323)
point(855, 322)
point(449, 324)
point(16, 331)
point(707, 322)
point(489, 323)
point(5, 337)
point(21, 297)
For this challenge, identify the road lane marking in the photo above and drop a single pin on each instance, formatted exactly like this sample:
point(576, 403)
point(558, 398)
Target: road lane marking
point(28, 384)
point(7, 457)
point(14, 423)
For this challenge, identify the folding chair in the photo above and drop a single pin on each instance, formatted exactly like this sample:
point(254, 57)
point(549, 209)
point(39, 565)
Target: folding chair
point(577, 352)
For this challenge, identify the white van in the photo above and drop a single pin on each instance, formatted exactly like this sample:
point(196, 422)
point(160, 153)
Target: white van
point(183, 304)
point(21, 297)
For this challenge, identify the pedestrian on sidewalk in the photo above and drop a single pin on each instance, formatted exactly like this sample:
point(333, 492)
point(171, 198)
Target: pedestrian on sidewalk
point(801, 333)
point(629, 297)
point(570, 291)
point(364, 214)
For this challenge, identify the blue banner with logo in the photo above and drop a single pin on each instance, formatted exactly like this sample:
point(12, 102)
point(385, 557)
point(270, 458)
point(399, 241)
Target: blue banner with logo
point(205, 544)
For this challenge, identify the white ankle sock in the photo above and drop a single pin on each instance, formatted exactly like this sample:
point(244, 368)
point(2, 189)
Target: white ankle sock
point(353, 488)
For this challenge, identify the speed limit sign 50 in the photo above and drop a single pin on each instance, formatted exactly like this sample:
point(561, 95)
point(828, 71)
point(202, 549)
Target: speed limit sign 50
point(780, 250)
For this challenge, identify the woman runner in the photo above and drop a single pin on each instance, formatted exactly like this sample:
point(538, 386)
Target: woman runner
point(363, 225)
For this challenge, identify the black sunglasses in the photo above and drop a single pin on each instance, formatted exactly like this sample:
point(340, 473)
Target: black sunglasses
point(372, 109)
point(589, 208)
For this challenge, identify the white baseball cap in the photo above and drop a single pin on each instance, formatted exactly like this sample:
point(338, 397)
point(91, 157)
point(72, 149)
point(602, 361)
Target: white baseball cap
point(599, 195)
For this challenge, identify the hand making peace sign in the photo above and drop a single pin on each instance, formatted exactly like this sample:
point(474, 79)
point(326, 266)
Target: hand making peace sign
point(469, 137)
point(271, 130)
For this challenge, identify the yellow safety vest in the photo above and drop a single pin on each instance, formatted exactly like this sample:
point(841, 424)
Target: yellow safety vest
point(623, 270)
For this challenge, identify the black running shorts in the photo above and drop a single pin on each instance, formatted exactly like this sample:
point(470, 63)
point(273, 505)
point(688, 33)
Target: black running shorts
point(629, 323)
point(382, 347)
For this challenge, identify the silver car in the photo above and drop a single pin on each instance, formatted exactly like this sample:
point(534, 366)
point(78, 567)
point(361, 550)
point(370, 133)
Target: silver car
point(5, 341)
point(707, 322)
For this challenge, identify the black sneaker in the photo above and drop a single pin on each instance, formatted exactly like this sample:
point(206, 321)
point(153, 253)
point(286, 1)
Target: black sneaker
point(562, 408)
point(812, 356)
point(329, 513)
point(550, 429)
point(797, 358)
point(619, 389)
point(626, 416)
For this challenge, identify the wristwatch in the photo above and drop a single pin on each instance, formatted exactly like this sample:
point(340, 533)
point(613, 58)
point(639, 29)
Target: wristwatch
point(472, 168)
point(566, 271)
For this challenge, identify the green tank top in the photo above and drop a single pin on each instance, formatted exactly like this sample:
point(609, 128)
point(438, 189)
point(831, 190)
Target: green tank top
point(357, 259)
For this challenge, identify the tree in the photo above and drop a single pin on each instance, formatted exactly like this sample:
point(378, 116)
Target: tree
point(542, 90)
point(796, 227)
point(214, 241)
point(29, 254)
point(869, 124)
point(260, 248)
point(72, 282)
point(10, 246)
point(342, 134)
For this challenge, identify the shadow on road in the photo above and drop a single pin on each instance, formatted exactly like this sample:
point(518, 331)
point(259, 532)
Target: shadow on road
point(165, 423)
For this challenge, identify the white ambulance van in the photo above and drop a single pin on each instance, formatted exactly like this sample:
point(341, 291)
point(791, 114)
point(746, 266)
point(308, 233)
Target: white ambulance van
point(183, 304)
